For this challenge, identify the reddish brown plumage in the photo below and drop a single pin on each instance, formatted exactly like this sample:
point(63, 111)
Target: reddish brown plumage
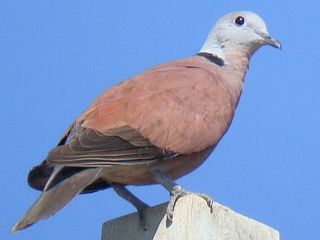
point(183, 106)
point(176, 111)
point(168, 118)
point(154, 127)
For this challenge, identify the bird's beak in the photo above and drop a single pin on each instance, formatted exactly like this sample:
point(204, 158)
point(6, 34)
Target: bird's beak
point(267, 39)
point(272, 42)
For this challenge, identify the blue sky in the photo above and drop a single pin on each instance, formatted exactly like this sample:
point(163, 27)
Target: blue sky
point(55, 57)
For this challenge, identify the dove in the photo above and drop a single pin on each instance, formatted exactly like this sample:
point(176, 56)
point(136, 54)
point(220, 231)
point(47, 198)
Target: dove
point(154, 127)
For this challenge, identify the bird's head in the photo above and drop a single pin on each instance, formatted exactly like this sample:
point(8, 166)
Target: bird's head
point(238, 31)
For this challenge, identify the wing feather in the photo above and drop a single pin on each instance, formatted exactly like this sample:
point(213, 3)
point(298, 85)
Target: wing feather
point(91, 148)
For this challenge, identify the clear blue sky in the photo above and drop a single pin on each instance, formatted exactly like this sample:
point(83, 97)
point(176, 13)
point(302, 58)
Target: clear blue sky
point(56, 56)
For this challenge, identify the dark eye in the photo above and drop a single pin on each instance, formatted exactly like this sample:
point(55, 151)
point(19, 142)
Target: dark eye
point(239, 20)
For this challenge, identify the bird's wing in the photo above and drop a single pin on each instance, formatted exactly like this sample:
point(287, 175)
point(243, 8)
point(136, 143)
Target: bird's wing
point(119, 146)
point(177, 108)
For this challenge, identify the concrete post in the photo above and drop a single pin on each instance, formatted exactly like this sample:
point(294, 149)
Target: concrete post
point(192, 220)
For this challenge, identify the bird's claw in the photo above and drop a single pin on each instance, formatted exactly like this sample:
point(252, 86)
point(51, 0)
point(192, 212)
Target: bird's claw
point(178, 192)
point(208, 199)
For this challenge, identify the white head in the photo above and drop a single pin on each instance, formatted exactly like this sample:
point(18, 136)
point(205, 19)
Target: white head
point(238, 31)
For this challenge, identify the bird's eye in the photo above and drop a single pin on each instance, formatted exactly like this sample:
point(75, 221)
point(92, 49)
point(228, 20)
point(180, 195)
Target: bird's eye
point(239, 20)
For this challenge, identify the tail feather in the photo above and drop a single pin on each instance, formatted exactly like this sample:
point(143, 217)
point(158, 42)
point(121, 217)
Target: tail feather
point(56, 197)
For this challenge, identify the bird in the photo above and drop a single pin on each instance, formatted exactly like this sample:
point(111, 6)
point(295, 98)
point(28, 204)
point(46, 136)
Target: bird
point(154, 127)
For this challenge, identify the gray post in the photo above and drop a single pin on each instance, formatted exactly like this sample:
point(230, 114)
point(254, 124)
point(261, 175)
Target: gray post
point(192, 220)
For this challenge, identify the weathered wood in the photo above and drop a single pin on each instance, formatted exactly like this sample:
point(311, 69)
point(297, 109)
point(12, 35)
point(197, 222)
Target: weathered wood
point(192, 220)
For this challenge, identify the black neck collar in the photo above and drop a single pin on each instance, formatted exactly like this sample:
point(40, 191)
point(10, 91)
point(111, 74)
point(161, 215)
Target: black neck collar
point(212, 58)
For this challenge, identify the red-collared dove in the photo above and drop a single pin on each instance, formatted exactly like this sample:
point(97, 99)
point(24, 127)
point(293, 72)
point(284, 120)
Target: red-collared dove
point(153, 128)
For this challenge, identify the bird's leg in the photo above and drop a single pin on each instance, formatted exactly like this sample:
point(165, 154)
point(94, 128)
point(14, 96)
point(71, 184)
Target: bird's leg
point(176, 192)
point(123, 192)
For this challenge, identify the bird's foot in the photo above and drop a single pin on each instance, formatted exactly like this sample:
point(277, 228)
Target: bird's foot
point(178, 192)
point(142, 210)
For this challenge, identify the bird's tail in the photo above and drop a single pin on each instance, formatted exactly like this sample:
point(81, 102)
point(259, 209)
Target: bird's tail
point(54, 198)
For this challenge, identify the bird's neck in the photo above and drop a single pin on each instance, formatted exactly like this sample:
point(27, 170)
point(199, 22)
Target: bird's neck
point(211, 46)
point(233, 62)
point(233, 57)
point(237, 62)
